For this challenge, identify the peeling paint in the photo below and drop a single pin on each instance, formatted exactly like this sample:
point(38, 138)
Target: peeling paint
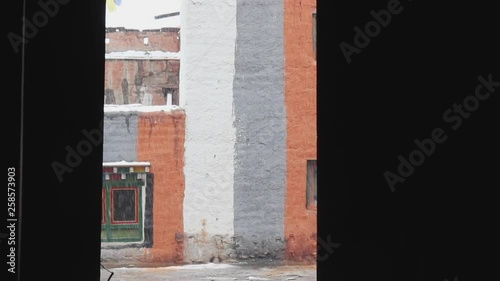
point(127, 121)
point(139, 74)
point(134, 78)
point(125, 91)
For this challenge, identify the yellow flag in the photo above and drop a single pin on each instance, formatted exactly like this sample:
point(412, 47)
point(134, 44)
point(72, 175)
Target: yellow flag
point(112, 5)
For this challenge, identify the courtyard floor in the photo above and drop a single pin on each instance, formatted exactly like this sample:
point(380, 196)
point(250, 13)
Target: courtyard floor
point(211, 272)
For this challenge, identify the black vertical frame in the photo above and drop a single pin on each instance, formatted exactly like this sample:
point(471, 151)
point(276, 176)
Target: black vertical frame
point(58, 60)
point(148, 212)
point(395, 90)
point(61, 96)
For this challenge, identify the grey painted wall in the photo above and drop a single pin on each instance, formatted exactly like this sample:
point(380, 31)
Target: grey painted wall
point(120, 137)
point(260, 123)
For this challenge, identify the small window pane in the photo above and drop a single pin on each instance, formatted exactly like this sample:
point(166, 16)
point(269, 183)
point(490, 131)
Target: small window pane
point(314, 35)
point(312, 187)
point(124, 205)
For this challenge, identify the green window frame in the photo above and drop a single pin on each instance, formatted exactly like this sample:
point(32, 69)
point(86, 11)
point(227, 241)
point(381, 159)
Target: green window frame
point(120, 230)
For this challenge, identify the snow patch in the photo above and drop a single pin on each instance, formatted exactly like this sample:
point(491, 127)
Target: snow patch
point(137, 107)
point(142, 55)
point(207, 266)
point(125, 164)
point(189, 266)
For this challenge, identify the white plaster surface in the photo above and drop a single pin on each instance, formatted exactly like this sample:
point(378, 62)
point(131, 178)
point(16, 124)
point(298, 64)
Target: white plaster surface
point(206, 83)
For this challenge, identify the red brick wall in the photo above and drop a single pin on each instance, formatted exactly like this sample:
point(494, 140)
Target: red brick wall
point(161, 142)
point(151, 74)
point(123, 40)
point(300, 99)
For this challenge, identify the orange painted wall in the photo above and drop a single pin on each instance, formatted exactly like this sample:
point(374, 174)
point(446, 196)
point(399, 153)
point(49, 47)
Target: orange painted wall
point(161, 142)
point(300, 99)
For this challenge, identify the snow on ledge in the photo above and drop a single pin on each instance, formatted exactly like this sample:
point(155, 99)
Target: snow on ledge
point(142, 55)
point(137, 107)
point(182, 267)
point(125, 164)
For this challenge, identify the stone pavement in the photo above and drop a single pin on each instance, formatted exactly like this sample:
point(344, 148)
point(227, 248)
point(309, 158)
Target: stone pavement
point(212, 272)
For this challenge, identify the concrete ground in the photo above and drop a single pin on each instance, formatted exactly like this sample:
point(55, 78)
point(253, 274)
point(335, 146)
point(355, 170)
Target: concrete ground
point(211, 272)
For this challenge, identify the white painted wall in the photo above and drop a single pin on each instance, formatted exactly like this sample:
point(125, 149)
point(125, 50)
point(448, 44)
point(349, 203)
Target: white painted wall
point(208, 35)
